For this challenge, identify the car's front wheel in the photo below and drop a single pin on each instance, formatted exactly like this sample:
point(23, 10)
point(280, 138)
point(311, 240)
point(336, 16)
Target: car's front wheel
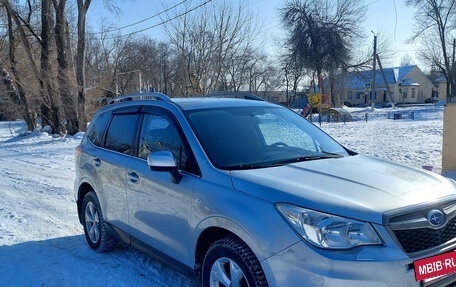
point(229, 262)
point(95, 231)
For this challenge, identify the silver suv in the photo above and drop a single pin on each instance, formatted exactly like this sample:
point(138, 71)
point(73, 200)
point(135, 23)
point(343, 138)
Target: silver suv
point(241, 192)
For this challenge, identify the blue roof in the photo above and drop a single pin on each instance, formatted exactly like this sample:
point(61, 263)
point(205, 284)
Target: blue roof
point(441, 79)
point(358, 80)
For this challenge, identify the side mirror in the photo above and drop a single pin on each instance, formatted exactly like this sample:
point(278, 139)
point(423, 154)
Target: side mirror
point(164, 161)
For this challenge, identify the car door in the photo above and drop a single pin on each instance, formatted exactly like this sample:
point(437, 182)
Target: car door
point(159, 209)
point(111, 163)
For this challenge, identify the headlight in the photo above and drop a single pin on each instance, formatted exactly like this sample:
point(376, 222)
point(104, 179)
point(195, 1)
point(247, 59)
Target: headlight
point(328, 231)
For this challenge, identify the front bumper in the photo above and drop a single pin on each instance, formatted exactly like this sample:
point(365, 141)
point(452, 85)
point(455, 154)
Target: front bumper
point(373, 266)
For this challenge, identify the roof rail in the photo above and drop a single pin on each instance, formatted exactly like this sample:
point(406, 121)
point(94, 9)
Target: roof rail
point(139, 97)
point(238, 95)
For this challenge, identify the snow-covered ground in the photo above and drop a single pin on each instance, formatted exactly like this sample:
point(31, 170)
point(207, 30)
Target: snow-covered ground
point(42, 242)
point(415, 142)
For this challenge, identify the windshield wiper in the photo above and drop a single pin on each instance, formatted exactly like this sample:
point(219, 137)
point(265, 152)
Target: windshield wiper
point(324, 155)
point(331, 154)
point(306, 158)
point(247, 166)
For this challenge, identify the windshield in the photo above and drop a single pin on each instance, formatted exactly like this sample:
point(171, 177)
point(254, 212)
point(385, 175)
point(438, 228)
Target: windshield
point(259, 136)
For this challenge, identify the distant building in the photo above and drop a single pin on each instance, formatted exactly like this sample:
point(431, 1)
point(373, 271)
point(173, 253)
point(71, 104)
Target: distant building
point(407, 85)
point(277, 97)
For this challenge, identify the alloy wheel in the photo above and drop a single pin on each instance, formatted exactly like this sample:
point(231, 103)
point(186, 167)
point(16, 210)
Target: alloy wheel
point(92, 222)
point(225, 272)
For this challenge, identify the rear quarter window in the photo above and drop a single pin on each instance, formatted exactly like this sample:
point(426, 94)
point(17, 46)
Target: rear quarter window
point(97, 129)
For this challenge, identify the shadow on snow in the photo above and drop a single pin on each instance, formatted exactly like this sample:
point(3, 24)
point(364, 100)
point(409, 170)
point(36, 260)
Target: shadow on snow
point(68, 261)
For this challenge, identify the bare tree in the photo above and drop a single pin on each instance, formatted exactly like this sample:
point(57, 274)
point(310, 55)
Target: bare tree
point(63, 58)
point(435, 22)
point(102, 62)
point(14, 84)
point(323, 33)
point(190, 61)
point(208, 41)
point(83, 7)
point(406, 60)
point(140, 56)
point(293, 74)
point(258, 69)
point(50, 105)
point(53, 41)
point(165, 66)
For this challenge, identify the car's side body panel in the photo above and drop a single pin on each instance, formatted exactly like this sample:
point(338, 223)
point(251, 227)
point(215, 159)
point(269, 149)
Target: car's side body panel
point(159, 209)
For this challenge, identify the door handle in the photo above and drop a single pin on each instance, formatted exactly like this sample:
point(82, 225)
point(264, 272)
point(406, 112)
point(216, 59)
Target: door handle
point(133, 176)
point(97, 161)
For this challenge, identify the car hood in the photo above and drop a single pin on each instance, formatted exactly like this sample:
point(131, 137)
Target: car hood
point(358, 187)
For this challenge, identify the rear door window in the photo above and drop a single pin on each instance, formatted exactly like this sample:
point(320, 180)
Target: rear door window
point(121, 133)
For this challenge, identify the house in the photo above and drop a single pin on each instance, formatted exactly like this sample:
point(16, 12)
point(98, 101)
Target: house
point(407, 85)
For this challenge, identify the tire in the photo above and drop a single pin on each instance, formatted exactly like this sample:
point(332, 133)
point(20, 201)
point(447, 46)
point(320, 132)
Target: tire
point(98, 238)
point(229, 262)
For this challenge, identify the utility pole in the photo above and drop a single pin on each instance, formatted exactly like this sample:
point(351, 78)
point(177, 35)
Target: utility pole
point(374, 72)
point(386, 82)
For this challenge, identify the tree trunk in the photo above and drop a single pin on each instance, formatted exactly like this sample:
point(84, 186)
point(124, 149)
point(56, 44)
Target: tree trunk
point(47, 90)
point(80, 63)
point(65, 91)
point(18, 97)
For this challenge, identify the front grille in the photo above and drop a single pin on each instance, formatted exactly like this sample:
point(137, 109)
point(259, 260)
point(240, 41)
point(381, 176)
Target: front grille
point(415, 240)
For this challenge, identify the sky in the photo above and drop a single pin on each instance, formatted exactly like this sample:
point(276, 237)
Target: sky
point(388, 19)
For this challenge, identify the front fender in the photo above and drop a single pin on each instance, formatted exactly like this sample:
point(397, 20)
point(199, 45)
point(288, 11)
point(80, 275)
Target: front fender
point(254, 220)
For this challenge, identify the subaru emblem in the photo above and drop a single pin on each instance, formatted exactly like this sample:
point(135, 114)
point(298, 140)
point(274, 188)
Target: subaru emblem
point(436, 218)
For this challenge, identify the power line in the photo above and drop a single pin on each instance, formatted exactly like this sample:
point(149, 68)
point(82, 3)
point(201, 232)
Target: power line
point(162, 23)
point(143, 20)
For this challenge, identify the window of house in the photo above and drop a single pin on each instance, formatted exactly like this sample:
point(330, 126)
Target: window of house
point(412, 93)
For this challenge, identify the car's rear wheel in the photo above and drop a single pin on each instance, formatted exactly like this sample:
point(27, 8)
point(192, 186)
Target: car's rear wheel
point(229, 262)
point(95, 231)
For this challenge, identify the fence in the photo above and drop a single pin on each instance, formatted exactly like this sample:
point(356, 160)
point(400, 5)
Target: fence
point(362, 116)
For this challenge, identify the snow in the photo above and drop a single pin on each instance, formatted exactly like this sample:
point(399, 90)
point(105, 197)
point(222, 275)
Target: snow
point(415, 142)
point(43, 244)
point(41, 240)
